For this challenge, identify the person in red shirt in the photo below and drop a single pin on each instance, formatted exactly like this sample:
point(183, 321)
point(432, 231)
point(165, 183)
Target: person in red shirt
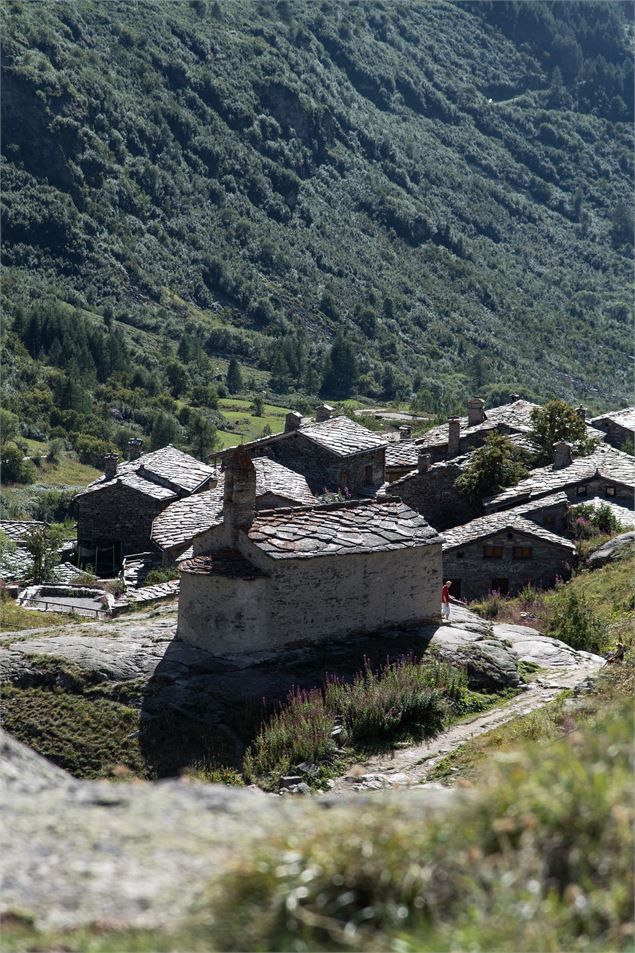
point(445, 601)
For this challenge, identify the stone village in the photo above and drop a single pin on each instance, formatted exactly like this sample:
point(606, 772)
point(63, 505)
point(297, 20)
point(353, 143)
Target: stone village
point(329, 529)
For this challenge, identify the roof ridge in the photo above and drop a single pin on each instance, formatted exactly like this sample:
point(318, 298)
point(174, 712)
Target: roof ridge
point(321, 507)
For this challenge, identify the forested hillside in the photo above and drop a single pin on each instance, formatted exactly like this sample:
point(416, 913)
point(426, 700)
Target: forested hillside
point(364, 198)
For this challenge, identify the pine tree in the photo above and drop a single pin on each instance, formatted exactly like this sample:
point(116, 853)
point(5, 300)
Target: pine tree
point(340, 370)
point(234, 377)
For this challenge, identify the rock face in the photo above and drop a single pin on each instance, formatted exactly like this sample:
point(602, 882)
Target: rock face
point(184, 677)
point(139, 855)
point(612, 551)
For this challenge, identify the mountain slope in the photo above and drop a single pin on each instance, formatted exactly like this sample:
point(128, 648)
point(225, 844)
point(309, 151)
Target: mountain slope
point(447, 184)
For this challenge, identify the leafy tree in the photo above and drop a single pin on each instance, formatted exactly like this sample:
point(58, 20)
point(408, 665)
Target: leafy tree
point(495, 465)
point(42, 543)
point(15, 467)
point(9, 425)
point(55, 450)
point(234, 377)
point(556, 421)
point(258, 406)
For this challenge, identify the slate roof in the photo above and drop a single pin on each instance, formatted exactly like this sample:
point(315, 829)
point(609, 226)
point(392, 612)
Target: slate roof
point(17, 530)
point(155, 469)
point(493, 523)
point(515, 416)
point(341, 435)
point(554, 499)
point(224, 562)
point(402, 454)
point(609, 463)
point(340, 529)
point(272, 477)
point(625, 418)
point(184, 519)
point(406, 453)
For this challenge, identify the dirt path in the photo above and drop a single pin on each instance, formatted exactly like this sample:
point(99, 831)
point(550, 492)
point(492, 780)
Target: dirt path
point(411, 765)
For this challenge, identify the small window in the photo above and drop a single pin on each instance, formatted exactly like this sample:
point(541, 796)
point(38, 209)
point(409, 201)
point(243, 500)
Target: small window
point(492, 552)
point(609, 490)
point(459, 555)
point(368, 474)
point(580, 491)
point(549, 519)
point(510, 536)
point(522, 552)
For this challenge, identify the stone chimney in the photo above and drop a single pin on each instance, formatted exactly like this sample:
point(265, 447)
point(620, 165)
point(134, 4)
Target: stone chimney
point(514, 397)
point(111, 461)
point(323, 412)
point(135, 448)
point(239, 500)
point(424, 461)
point(475, 411)
point(405, 433)
point(454, 436)
point(292, 421)
point(581, 412)
point(562, 455)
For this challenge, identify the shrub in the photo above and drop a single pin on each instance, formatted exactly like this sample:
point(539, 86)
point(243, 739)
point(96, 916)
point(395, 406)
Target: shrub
point(156, 576)
point(574, 622)
point(404, 698)
point(15, 467)
point(42, 543)
point(495, 465)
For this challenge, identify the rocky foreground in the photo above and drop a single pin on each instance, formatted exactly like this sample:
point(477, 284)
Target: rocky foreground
point(139, 853)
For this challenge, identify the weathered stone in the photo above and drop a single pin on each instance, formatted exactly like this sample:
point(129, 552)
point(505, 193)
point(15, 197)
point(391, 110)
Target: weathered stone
point(615, 549)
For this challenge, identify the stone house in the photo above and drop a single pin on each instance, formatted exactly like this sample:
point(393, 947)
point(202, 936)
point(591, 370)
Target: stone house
point(332, 453)
point(179, 524)
point(431, 491)
point(607, 474)
point(503, 552)
point(462, 434)
point(618, 425)
point(267, 580)
point(115, 513)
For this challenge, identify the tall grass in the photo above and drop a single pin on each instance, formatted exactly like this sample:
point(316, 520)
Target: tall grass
point(404, 698)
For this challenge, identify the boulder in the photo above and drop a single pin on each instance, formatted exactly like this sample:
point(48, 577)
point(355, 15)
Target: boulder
point(615, 549)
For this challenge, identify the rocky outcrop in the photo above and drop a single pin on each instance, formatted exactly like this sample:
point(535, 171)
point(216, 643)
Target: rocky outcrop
point(76, 852)
point(615, 549)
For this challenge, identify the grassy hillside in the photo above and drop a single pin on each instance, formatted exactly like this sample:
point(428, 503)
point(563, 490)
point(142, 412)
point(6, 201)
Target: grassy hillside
point(446, 185)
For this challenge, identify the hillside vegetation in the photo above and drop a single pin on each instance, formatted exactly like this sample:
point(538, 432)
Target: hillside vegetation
point(366, 198)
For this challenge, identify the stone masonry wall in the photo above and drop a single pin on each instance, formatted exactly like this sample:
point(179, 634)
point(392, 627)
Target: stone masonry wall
point(433, 494)
point(478, 574)
point(310, 600)
point(117, 514)
point(616, 434)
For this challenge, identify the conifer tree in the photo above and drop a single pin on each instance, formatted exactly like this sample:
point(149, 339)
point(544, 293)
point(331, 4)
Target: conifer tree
point(234, 377)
